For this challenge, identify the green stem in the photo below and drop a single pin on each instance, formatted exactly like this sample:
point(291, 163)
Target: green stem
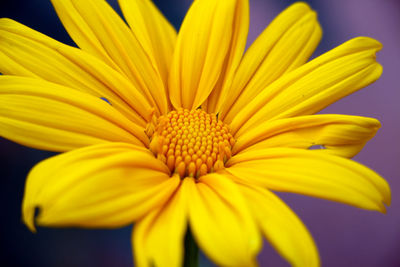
point(191, 251)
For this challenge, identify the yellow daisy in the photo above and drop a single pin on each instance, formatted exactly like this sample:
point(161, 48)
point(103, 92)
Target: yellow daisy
point(187, 131)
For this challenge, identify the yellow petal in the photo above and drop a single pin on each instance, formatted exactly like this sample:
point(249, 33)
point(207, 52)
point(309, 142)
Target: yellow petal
point(284, 45)
point(221, 222)
point(232, 60)
point(97, 29)
point(281, 227)
point(52, 117)
point(106, 185)
point(340, 135)
point(156, 35)
point(203, 45)
point(312, 87)
point(158, 238)
point(314, 174)
point(32, 54)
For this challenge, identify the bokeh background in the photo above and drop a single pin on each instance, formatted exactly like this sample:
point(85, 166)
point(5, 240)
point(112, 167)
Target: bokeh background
point(345, 236)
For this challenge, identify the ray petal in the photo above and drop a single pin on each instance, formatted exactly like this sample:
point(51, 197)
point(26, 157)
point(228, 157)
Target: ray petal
point(158, 238)
point(31, 54)
point(155, 34)
point(221, 222)
point(284, 45)
point(202, 48)
point(341, 135)
point(107, 185)
point(313, 86)
point(97, 28)
point(52, 117)
point(313, 174)
point(239, 38)
point(281, 227)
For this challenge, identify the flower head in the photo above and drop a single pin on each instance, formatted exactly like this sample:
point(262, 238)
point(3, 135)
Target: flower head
point(175, 131)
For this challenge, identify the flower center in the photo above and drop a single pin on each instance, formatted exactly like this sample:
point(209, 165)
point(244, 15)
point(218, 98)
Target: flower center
point(191, 142)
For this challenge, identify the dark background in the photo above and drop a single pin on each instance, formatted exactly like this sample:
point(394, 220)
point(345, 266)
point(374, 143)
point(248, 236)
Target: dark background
point(346, 236)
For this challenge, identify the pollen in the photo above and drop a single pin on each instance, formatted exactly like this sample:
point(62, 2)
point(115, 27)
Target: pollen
point(191, 143)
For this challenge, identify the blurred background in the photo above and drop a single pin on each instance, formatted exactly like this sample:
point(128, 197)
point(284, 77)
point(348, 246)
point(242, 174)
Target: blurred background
point(345, 236)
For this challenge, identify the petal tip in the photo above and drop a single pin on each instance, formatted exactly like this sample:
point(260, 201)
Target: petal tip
point(7, 23)
point(311, 16)
point(4, 20)
point(369, 42)
point(376, 123)
point(382, 209)
point(384, 204)
point(376, 70)
point(301, 5)
point(388, 198)
point(28, 217)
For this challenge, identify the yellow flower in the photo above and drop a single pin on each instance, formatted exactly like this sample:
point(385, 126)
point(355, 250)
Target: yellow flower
point(169, 130)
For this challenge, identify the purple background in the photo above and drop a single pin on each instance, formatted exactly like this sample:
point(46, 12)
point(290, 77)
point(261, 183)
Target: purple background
point(345, 236)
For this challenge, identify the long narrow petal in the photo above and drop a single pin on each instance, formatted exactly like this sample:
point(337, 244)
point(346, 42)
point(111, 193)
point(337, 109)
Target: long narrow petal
point(203, 45)
point(107, 185)
point(221, 222)
point(314, 174)
point(340, 135)
point(284, 45)
point(156, 35)
point(158, 238)
point(48, 116)
point(312, 87)
point(238, 43)
point(281, 227)
point(97, 29)
point(32, 54)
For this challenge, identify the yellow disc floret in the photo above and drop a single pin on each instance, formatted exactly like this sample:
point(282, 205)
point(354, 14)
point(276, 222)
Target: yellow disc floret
point(191, 142)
